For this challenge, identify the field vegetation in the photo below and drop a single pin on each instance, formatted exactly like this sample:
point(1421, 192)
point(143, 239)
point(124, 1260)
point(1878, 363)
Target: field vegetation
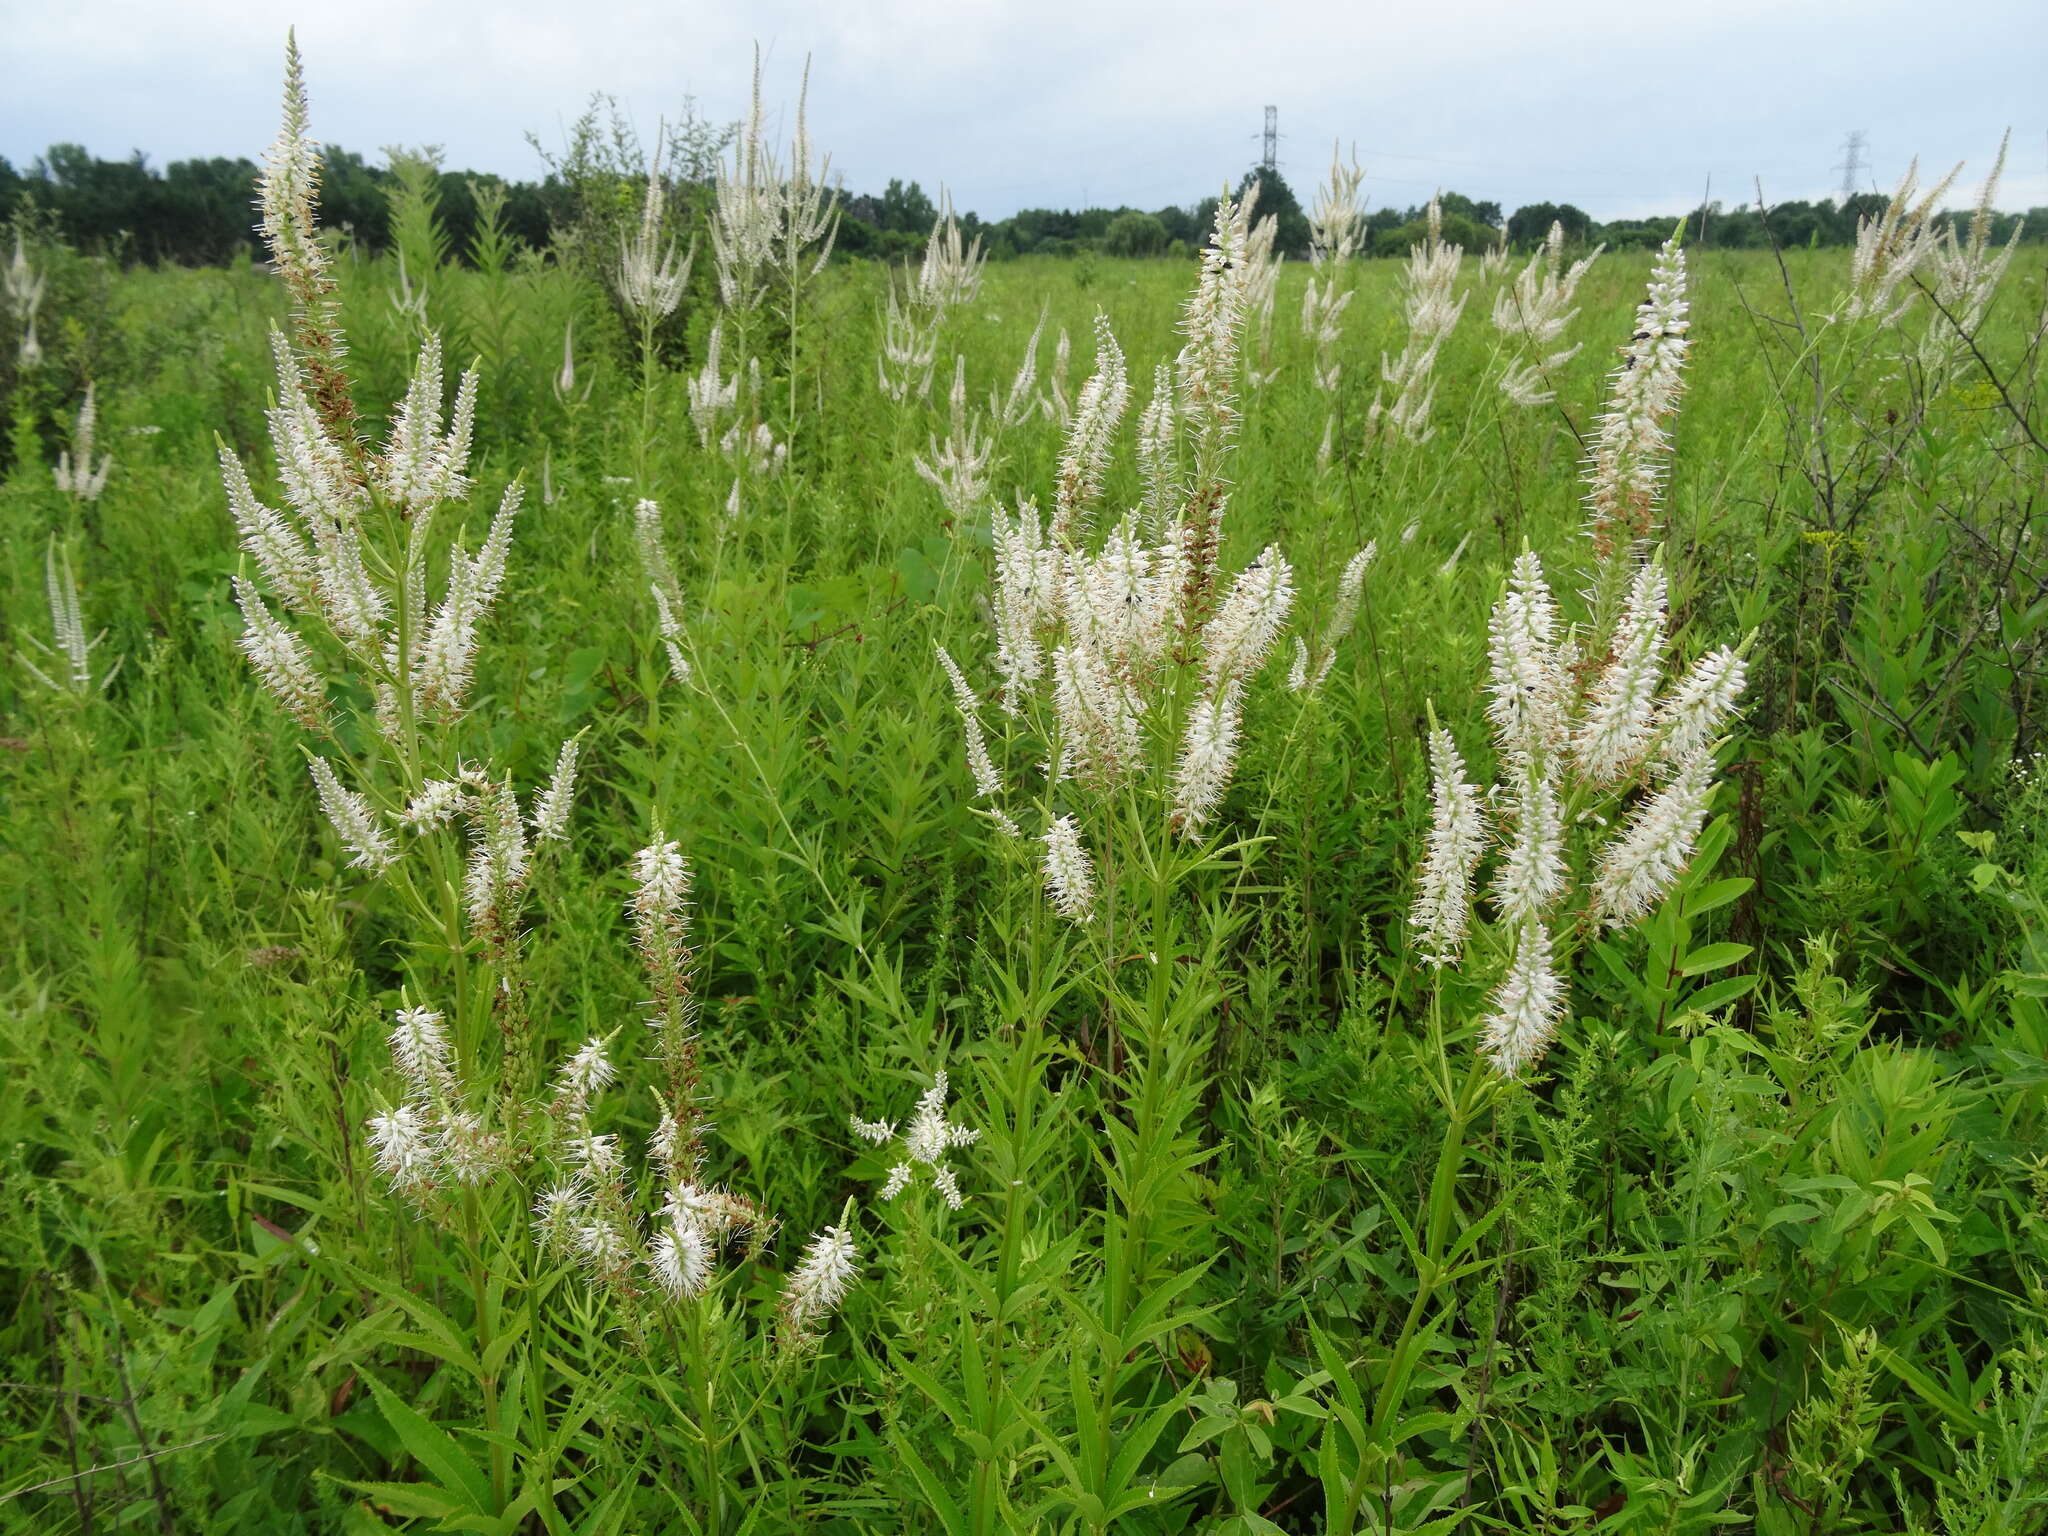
point(671, 885)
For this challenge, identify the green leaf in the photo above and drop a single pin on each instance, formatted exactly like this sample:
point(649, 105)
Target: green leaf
point(413, 1501)
point(1712, 957)
point(1718, 894)
point(433, 1448)
point(1719, 994)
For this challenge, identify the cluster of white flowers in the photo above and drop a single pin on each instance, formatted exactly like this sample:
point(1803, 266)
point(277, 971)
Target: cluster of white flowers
point(1534, 314)
point(432, 1139)
point(951, 273)
point(589, 1211)
point(315, 561)
point(1965, 271)
point(76, 474)
point(69, 648)
point(1893, 246)
point(1336, 225)
point(1625, 732)
point(926, 1140)
point(1263, 264)
point(1103, 648)
point(910, 348)
point(959, 468)
point(24, 285)
point(769, 221)
point(651, 276)
point(1432, 312)
point(1625, 470)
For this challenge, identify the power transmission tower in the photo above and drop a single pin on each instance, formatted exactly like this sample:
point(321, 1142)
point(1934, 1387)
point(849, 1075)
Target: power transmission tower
point(1270, 160)
point(1852, 163)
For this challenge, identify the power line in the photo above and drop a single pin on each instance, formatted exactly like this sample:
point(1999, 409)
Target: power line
point(1269, 162)
point(1852, 163)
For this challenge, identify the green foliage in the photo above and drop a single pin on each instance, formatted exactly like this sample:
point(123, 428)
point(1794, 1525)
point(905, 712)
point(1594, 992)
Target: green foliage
point(1761, 1247)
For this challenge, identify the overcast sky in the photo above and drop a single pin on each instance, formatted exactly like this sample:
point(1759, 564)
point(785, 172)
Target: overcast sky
point(1622, 108)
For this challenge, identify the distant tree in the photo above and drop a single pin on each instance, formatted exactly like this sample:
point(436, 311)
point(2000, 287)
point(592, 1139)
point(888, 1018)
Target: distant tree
point(1530, 225)
point(1134, 234)
point(1487, 213)
point(13, 188)
point(1179, 224)
point(1275, 198)
point(905, 209)
point(209, 218)
point(1458, 229)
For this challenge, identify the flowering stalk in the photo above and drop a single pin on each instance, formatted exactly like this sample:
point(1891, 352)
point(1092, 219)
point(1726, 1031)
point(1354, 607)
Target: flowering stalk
point(1336, 231)
point(76, 474)
point(1533, 315)
point(1626, 468)
point(1404, 402)
point(70, 652)
point(1621, 745)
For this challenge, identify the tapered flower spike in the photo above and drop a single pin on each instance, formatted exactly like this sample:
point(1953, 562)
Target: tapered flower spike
point(680, 1259)
point(69, 649)
point(1247, 624)
point(551, 808)
point(580, 1079)
point(1625, 471)
point(1529, 696)
point(354, 822)
point(1525, 1008)
point(1069, 880)
point(1206, 381)
point(287, 192)
point(819, 1284)
point(1645, 861)
point(988, 783)
point(76, 474)
point(1618, 724)
point(1022, 400)
point(1208, 753)
point(448, 653)
point(1697, 709)
point(499, 862)
point(1532, 876)
point(423, 1053)
point(1457, 842)
point(1159, 453)
point(1343, 616)
point(279, 549)
point(660, 911)
point(1097, 414)
point(662, 584)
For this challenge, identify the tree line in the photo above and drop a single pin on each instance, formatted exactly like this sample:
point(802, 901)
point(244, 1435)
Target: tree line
point(197, 212)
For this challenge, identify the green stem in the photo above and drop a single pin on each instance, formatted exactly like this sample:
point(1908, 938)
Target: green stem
point(487, 1381)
